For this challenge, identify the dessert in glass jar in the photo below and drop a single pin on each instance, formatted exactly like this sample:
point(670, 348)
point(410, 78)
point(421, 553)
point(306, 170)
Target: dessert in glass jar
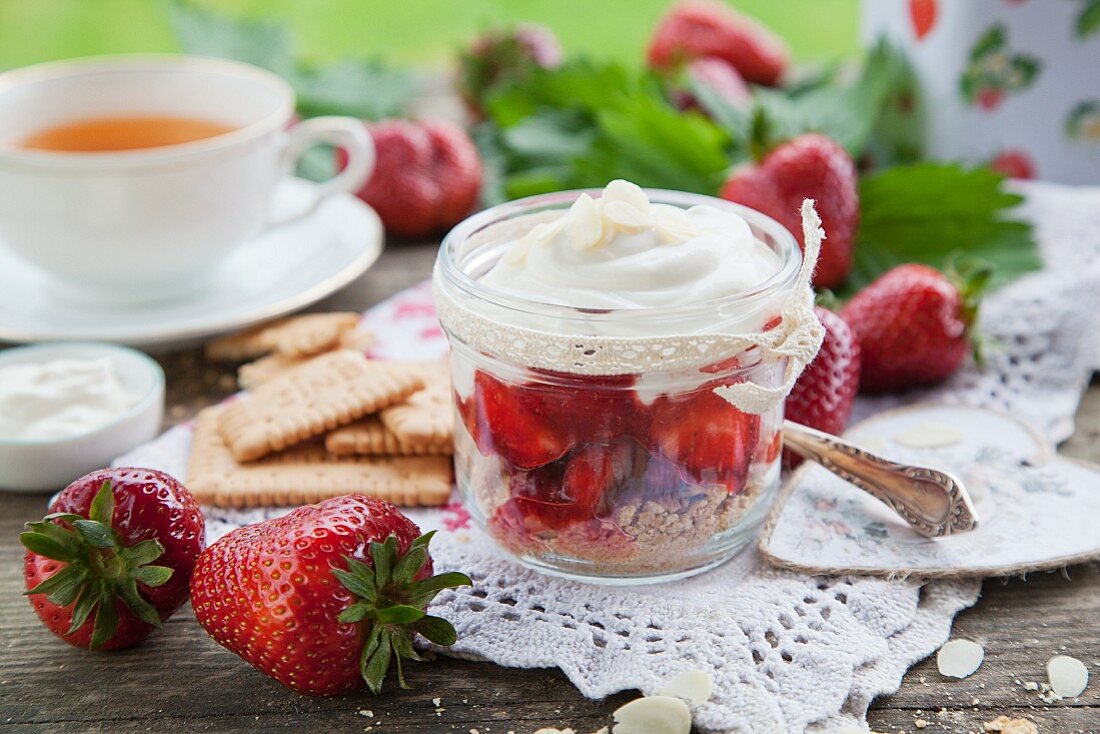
point(597, 343)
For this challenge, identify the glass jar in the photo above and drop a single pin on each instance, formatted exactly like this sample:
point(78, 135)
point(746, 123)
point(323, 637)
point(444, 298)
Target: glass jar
point(623, 476)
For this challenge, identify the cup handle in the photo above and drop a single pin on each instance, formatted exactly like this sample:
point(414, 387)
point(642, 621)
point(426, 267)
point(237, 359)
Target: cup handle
point(346, 133)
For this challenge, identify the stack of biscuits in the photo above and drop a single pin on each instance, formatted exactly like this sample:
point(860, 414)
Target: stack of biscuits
point(320, 419)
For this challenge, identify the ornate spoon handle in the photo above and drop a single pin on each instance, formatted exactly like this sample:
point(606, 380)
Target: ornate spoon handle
point(934, 502)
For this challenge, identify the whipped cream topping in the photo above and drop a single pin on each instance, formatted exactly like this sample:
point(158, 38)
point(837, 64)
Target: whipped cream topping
point(621, 251)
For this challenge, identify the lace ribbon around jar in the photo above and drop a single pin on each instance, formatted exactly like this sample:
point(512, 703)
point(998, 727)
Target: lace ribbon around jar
point(794, 341)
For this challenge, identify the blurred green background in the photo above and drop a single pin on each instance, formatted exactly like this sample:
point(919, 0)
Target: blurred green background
point(424, 32)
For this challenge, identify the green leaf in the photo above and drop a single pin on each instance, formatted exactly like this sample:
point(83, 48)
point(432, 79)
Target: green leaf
point(401, 639)
point(353, 87)
point(62, 587)
point(410, 564)
point(62, 536)
point(144, 552)
point(436, 629)
point(1027, 67)
point(377, 665)
point(96, 533)
point(152, 576)
point(102, 509)
point(266, 44)
point(84, 606)
point(383, 555)
point(433, 585)
point(1088, 21)
point(357, 612)
point(143, 610)
point(847, 112)
point(46, 546)
point(932, 213)
point(398, 614)
point(364, 589)
point(106, 622)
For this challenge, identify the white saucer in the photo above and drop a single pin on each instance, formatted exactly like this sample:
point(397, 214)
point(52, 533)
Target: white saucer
point(277, 272)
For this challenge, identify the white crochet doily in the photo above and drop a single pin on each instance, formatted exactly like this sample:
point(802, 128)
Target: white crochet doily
point(788, 652)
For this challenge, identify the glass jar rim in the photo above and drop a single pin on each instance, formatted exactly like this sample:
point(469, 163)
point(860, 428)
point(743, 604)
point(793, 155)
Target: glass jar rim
point(450, 271)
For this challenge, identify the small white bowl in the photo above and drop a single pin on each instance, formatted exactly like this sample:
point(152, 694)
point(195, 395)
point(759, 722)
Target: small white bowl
point(50, 465)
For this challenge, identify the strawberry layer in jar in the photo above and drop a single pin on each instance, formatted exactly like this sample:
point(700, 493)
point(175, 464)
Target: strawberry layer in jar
point(593, 337)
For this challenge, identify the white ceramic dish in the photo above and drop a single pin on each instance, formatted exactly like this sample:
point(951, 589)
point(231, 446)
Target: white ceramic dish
point(46, 466)
point(282, 270)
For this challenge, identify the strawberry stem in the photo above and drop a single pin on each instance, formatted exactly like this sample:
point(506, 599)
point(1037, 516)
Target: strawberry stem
point(390, 604)
point(99, 570)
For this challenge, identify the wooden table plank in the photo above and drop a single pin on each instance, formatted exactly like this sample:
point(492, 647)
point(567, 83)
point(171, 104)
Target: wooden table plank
point(180, 680)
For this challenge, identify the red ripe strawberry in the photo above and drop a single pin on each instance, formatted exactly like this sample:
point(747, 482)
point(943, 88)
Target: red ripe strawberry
point(811, 166)
point(712, 441)
point(323, 598)
point(505, 55)
point(718, 76)
point(89, 563)
point(706, 28)
point(913, 324)
point(426, 178)
point(922, 13)
point(826, 391)
point(1015, 164)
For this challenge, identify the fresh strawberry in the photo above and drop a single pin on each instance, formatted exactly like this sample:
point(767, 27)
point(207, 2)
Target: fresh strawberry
point(913, 326)
point(712, 441)
point(922, 14)
point(323, 598)
point(826, 391)
point(695, 29)
point(717, 75)
point(426, 177)
point(505, 55)
point(89, 566)
point(810, 166)
point(1014, 163)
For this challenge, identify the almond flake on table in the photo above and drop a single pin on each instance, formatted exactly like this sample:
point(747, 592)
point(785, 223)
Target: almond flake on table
point(1068, 676)
point(959, 658)
point(653, 715)
point(695, 686)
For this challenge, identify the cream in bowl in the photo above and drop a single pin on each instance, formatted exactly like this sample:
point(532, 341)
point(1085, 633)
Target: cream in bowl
point(67, 408)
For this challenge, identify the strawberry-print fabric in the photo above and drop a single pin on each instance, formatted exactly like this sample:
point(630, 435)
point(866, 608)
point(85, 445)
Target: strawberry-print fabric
point(1001, 78)
point(788, 652)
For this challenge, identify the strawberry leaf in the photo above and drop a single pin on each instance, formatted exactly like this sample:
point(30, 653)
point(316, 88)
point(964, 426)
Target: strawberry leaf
point(377, 665)
point(46, 546)
point(436, 629)
point(144, 552)
point(95, 533)
point(398, 614)
point(106, 622)
point(934, 213)
point(102, 509)
point(62, 587)
point(84, 606)
point(152, 576)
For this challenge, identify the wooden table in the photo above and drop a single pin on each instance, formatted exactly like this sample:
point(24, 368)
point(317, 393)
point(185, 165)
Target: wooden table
point(179, 680)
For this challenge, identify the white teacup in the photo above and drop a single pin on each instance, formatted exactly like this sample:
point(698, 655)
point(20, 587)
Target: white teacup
point(153, 222)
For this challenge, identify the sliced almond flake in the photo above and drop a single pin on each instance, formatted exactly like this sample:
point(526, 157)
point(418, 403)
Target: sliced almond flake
point(626, 217)
point(673, 224)
point(693, 685)
point(626, 193)
point(959, 658)
point(585, 223)
point(653, 715)
point(1068, 676)
point(929, 436)
point(1005, 725)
